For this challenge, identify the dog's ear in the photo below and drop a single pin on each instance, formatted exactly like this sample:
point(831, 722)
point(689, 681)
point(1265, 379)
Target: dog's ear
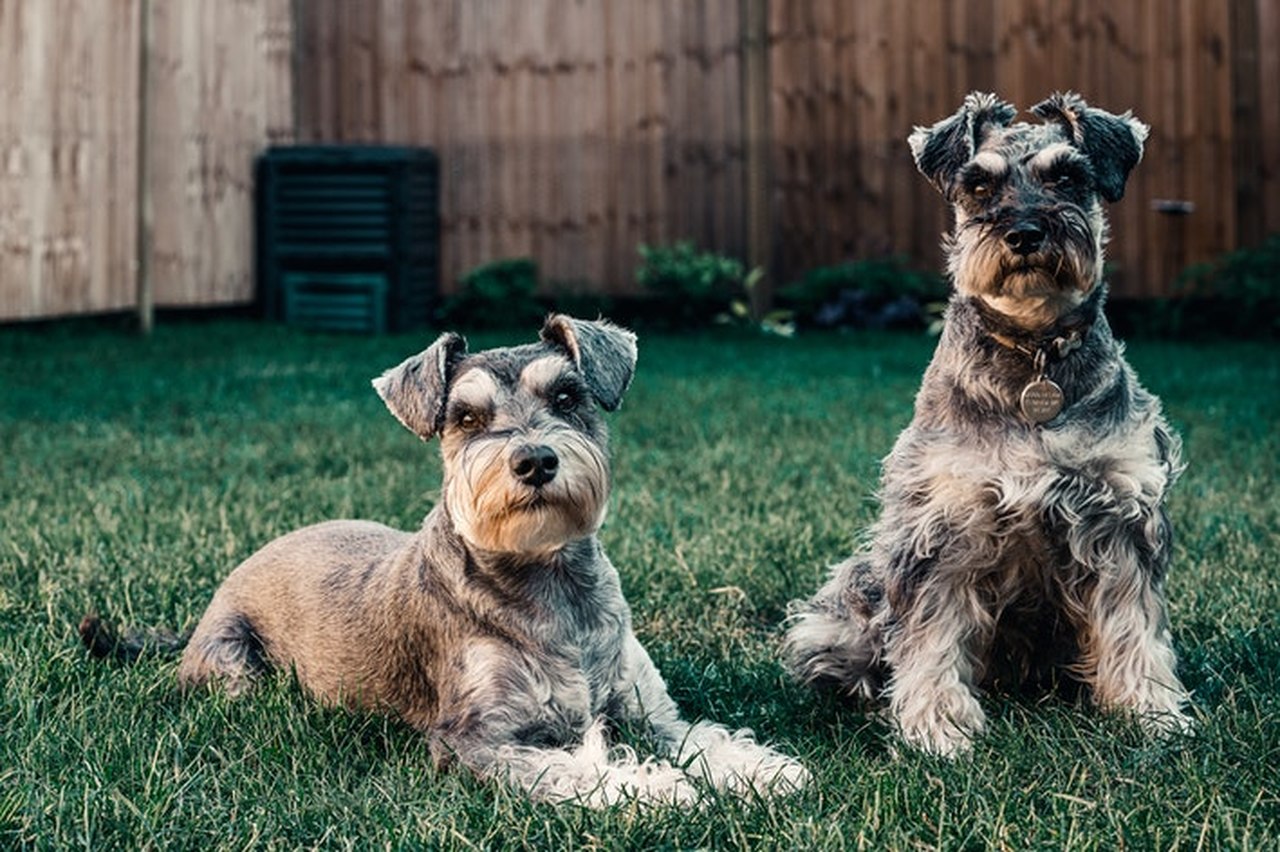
point(604, 353)
point(941, 150)
point(1113, 143)
point(416, 390)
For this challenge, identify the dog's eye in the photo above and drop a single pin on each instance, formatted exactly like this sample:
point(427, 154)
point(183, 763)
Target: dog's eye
point(981, 190)
point(469, 421)
point(1066, 179)
point(564, 401)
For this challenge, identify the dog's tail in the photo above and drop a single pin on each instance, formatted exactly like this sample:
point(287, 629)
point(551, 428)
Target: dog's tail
point(104, 641)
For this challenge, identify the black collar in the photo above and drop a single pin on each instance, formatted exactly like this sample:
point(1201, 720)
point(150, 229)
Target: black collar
point(1057, 341)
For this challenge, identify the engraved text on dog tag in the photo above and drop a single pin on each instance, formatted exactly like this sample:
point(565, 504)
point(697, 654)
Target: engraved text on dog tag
point(1041, 400)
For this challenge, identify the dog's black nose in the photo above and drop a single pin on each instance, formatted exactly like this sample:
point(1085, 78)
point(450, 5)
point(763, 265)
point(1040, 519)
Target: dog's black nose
point(1024, 239)
point(535, 465)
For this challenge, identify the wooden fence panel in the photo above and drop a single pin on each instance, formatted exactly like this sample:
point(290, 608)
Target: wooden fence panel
point(1266, 132)
point(568, 131)
point(850, 190)
point(214, 103)
point(68, 112)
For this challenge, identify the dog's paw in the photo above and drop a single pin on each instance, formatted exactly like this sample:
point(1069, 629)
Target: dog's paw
point(942, 739)
point(594, 774)
point(943, 728)
point(1159, 708)
point(767, 774)
point(1166, 722)
point(735, 763)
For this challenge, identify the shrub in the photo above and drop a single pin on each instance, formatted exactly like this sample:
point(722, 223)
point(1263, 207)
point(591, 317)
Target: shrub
point(495, 295)
point(1236, 295)
point(580, 299)
point(872, 293)
point(697, 286)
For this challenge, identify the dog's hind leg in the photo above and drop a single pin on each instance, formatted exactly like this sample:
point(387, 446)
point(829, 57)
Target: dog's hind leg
point(835, 639)
point(224, 650)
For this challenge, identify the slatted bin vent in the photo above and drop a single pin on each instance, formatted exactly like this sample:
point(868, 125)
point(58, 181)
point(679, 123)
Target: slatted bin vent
point(348, 236)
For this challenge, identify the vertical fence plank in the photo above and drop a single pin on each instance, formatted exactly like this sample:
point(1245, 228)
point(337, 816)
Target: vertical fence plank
point(212, 112)
point(757, 140)
point(1268, 129)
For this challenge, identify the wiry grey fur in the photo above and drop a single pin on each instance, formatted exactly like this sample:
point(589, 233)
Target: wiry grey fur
point(1008, 551)
point(499, 628)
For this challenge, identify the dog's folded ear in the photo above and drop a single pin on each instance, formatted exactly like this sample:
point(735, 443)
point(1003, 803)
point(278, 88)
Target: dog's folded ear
point(1113, 143)
point(604, 353)
point(941, 150)
point(416, 390)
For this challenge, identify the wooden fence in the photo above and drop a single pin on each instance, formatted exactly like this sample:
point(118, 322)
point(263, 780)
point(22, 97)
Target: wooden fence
point(570, 131)
point(127, 135)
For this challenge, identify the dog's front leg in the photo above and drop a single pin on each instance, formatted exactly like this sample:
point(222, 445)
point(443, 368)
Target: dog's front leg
point(731, 761)
point(592, 774)
point(1126, 651)
point(509, 743)
point(930, 652)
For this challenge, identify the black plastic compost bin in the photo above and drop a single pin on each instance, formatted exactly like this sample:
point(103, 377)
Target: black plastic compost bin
point(348, 236)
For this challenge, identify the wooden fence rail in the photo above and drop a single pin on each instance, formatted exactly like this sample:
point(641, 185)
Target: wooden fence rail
point(570, 131)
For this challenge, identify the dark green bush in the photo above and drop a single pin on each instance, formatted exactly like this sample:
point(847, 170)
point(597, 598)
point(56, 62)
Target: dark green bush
point(581, 299)
point(1237, 295)
point(697, 286)
point(495, 295)
point(872, 293)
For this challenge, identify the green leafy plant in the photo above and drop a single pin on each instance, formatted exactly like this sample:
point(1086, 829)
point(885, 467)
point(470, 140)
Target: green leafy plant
point(871, 293)
point(780, 321)
point(495, 295)
point(580, 298)
point(1236, 295)
point(697, 285)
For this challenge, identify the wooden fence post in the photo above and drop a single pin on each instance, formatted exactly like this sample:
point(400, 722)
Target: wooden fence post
point(1246, 123)
point(756, 145)
point(143, 211)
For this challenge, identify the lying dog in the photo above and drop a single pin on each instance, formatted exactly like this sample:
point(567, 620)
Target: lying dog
point(1023, 529)
point(499, 628)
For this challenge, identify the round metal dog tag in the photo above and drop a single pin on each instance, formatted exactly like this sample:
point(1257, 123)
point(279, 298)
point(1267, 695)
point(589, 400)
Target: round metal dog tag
point(1041, 401)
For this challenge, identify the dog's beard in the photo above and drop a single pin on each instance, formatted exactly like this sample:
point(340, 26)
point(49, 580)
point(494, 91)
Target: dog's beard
point(1034, 290)
point(494, 511)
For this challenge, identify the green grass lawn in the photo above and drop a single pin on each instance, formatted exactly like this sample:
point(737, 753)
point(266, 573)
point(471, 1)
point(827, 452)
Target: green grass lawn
point(134, 474)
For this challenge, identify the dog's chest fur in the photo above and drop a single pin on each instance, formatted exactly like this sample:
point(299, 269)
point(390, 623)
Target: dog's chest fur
point(1005, 505)
point(542, 641)
point(1109, 444)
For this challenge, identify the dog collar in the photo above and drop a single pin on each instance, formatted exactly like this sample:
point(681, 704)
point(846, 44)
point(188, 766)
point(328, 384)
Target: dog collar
point(1060, 346)
point(1042, 398)
point(1059, 340)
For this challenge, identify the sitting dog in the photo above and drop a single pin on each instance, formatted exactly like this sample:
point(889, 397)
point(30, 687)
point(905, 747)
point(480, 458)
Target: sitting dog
point(499, 628)
point(1023, 529)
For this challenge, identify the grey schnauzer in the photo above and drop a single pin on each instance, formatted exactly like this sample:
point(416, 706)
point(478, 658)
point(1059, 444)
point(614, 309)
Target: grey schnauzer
point(499, 628)
point(1023, 530)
